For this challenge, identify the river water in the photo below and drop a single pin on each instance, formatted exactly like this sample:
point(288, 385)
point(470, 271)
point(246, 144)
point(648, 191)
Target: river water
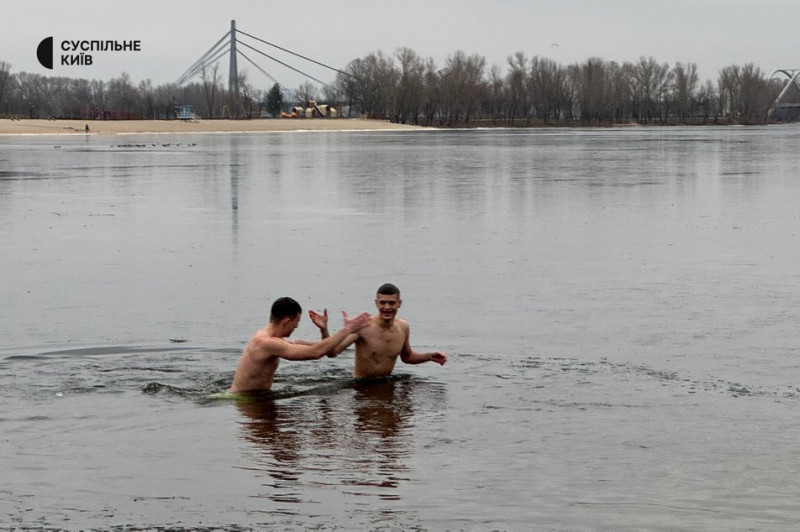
point(619, 307)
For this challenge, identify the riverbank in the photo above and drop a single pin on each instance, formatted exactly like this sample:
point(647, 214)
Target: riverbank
point(111, 127)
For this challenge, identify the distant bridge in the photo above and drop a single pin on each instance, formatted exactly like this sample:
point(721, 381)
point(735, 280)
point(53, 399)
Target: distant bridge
point(228, 45)
point(793, 81)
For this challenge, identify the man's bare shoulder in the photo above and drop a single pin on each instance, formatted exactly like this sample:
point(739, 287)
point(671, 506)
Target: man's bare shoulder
point(265, 345)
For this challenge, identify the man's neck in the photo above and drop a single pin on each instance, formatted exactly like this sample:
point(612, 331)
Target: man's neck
point(272, 331)
point(385, 324)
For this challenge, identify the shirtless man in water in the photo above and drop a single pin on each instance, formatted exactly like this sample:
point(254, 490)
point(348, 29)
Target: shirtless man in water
point(385, 338)
point(260, 358)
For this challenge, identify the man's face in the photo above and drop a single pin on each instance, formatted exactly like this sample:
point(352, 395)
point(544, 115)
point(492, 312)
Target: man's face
point(388, 305)
point(292, 323)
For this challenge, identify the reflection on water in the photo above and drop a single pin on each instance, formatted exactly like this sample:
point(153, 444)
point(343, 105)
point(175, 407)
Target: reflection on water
point(382, 409)
point(233, 167)
point(357, 439)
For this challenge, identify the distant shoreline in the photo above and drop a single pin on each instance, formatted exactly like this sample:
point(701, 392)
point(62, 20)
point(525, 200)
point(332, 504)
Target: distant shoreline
point(27, 126)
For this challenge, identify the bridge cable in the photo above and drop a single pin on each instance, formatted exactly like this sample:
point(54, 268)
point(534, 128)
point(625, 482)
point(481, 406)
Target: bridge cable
point(284, 64)
point(292, 93)
point(193, 69)
point(293, 53)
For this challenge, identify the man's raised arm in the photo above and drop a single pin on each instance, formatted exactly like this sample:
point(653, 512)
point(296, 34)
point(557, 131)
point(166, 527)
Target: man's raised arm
point(319, 349)
point(344, 344)
point(321, 321)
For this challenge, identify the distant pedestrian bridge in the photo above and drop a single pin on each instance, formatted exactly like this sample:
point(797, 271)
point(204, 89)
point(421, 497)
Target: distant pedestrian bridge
point(788, 101)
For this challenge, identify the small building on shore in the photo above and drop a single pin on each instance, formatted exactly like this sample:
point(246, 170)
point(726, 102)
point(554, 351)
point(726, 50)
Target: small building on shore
point(186, 112)
point(312, 110)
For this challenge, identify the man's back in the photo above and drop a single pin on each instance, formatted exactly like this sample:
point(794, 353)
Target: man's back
point(256, 367)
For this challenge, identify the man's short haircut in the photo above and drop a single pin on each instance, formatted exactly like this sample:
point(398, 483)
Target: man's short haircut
point(388, 289)
point(284, 307)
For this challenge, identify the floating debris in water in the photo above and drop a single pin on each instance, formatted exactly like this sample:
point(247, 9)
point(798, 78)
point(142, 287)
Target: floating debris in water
point(153, 145)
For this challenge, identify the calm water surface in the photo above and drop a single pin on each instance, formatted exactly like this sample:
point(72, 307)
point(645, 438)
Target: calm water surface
point(619, 307)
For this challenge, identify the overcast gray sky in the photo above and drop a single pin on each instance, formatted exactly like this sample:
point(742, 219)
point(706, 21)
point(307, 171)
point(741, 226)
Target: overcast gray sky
point(175, 33)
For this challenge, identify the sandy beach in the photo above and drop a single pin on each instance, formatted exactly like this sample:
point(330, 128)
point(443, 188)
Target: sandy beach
point(111, 127)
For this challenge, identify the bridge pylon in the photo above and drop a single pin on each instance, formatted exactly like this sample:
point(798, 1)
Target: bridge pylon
point(233, 70)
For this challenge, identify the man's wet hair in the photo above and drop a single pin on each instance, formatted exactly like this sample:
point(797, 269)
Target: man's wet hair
point(284, 307)
point(388, 289)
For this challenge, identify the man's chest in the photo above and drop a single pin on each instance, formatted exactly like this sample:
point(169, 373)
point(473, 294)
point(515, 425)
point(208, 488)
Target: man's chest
point(385, 341)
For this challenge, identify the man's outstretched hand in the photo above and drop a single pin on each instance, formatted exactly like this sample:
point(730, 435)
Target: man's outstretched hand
point(356, 324)
point(438, 357)
point(320, 320)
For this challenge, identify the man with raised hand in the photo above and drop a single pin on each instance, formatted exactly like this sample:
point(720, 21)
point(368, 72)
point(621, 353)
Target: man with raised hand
point(260, 357)
point(383, 340)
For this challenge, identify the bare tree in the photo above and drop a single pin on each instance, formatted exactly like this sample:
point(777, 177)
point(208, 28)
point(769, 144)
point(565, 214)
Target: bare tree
point(517, 81)
point(31, 94)
point(7, 82)
point(592, 86)
point(462, 84)
point(707, 101)
point(388, 78)
point(495, 101)
point(756, 94)
point(123, 97)
point(248, 96)
point(728, 85)
point(347, 88)
point(164, 101)
point(147, 98)
point(211, 85)
point(371, 85)
point(685, 88)
point(410, 86)
point(433, 93)
point(98, 92)
point(650, 86)
point(333, 95)
point(306, 91)
point(621, 92)
point(549, 89)
point(81, 100)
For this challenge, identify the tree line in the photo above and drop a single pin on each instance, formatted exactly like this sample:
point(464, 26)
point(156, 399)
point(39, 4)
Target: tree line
point(407, 88)
point(404, 87)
